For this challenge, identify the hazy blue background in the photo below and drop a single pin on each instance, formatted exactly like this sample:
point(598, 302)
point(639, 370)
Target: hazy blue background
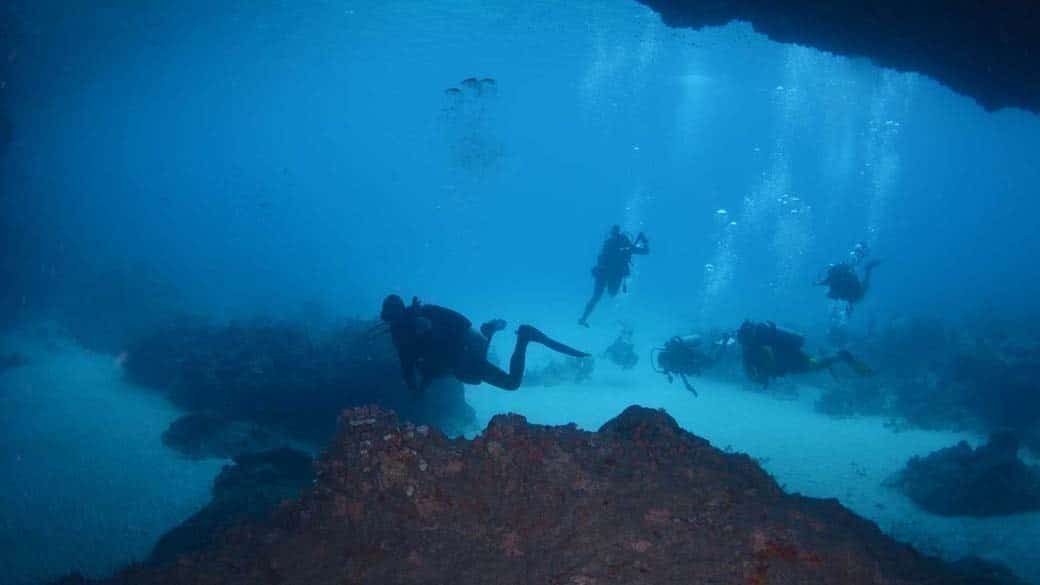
point(258, 156)
point(302, 159)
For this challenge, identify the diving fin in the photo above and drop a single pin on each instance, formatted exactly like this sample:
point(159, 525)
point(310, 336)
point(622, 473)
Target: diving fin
point(532, 334)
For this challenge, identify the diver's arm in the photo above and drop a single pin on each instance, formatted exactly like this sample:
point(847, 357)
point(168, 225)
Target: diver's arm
point(641, 246)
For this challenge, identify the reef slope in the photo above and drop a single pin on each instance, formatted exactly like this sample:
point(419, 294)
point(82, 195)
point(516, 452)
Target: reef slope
point(640, 501)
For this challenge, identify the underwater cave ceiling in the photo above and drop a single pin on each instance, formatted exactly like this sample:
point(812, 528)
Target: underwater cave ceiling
point(985, 49)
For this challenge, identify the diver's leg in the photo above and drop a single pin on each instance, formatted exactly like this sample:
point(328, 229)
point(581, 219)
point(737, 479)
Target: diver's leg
point(491, 327)
point(597, 293)
point(525, 334)
point(493, 375)
point(822, 363)
point(511, 381)
point(866, 274)
point(686, 383)
point(817, 364)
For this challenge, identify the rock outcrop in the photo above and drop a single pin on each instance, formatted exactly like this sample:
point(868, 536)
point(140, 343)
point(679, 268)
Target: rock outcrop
point(986, 50)
point(206, 435)
point(640, 501)
point(960, 481)
point(285, 377)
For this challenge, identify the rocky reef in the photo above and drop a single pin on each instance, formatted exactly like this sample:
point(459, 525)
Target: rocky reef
point(283, 377)
point(976, 374)
point(960, 481)
point(639, 501)
point(986, 50)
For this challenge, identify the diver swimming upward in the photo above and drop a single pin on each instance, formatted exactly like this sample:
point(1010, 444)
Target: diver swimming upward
point(842, 282)
point(613, 266)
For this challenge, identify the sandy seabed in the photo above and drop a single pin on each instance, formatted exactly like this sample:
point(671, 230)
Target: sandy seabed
point(87, 484)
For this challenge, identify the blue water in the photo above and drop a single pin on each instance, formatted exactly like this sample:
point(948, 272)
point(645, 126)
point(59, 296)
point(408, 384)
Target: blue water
point(302, 160)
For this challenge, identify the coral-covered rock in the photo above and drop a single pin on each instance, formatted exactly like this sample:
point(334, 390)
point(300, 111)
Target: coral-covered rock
point(961, 481)
point(640, 501)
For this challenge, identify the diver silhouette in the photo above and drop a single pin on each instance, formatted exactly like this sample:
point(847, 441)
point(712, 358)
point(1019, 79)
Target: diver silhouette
point(433, 341)
point(842, 282)
point(613, 266)
point(770, 352)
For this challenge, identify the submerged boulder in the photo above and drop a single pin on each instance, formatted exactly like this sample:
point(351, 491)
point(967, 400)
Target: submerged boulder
point(205, 435)
point(641, 501)
point(960, 481)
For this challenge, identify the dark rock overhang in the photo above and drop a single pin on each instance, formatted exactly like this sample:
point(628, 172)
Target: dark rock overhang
point(986, 49)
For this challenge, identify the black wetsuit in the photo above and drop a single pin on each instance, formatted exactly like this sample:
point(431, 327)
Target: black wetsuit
point(435, 341)
point(612, 267)
point(843, 284)
point(429, 341)
point(773, 352)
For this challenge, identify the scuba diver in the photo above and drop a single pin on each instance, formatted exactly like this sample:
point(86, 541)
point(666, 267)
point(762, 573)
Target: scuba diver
point(613, 266)
point(622, 351)
point(772, 352)
point(842, 282)
point(683, 356)
point(433, 341)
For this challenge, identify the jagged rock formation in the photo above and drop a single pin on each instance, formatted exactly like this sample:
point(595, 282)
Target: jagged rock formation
point(986, 50)
point(640, 501)
point(961, 481)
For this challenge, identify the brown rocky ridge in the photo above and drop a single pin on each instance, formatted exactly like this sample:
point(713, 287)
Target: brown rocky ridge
point(639, 501)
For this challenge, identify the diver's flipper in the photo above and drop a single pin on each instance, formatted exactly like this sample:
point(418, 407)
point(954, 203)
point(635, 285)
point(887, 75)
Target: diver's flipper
point(857, 366)
point(532, 334)
point(688, 385)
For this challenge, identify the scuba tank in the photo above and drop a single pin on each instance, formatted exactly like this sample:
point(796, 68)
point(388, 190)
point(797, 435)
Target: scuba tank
point(760, 334)
point(681, 357)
